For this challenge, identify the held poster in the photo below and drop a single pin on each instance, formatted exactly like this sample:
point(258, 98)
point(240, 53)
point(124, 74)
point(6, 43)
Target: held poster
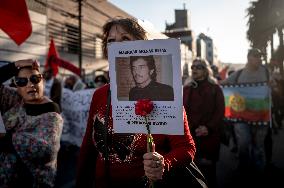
point(75, 110)
point(149, 69)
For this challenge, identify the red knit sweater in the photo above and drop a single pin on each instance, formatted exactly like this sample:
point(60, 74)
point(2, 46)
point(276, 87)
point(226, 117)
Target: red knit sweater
point(125, 165)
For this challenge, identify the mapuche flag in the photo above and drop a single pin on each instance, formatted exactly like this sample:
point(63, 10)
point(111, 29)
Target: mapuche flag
point(15, 20)
point(249, 103)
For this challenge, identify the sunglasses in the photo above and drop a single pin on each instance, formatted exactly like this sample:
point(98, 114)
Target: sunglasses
point(34, 79)
point(198, 67)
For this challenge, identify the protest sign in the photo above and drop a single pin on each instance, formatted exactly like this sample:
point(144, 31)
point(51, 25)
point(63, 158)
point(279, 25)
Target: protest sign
point(163, 85)
point(75, 109)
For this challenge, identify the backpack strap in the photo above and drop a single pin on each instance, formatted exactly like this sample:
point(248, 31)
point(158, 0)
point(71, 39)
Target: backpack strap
point(267, 74)
point(238, 75)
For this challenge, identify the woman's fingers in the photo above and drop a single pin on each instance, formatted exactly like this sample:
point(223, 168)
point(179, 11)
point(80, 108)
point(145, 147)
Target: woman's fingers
point(154, 173)
point(153, 165)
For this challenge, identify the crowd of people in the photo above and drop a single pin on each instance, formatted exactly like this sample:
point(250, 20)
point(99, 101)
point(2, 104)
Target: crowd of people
point(33, 155)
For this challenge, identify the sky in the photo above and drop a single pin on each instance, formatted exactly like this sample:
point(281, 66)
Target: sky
point(224, 21)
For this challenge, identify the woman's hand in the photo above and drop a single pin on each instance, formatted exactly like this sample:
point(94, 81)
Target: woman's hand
point(153, 165)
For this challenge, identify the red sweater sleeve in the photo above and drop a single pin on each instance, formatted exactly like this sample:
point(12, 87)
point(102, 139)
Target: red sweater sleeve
point(182, 147)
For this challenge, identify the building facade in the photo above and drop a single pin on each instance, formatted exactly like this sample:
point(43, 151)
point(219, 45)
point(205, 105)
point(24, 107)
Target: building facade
point(60, 20)
point(181, 29)
point(211, 49)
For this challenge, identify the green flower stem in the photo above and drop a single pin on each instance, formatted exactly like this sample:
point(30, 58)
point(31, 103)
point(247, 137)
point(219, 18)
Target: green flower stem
point(150, 143)
point(147, 125)
point(150, 140)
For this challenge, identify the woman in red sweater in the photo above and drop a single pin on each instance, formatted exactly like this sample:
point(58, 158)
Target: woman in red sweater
point(128, 158)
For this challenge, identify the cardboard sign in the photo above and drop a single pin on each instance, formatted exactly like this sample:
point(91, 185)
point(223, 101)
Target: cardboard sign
point(75, 110)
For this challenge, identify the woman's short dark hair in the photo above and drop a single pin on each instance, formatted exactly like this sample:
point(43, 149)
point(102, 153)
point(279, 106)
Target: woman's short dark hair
point(27, 67)
point(130, 25)
point(150, 64)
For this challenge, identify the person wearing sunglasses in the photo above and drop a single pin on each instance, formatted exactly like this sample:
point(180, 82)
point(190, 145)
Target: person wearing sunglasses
point(204, 104)
point(28, 149)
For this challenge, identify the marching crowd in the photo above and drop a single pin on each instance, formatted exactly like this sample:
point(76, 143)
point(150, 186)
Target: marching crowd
point(32, 153)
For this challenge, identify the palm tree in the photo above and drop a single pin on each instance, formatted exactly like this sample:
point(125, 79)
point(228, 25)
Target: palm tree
point(258, 31)
point(278, 23)
point(265, 18)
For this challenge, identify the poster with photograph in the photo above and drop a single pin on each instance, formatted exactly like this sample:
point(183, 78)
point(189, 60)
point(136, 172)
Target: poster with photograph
point(149, 69)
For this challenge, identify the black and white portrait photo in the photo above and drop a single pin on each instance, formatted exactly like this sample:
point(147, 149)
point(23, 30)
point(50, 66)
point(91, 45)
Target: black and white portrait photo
point(145, 77)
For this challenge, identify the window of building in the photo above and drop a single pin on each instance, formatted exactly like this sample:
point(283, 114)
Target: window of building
point(72, 38)
point(98, 47)
point(210, 54)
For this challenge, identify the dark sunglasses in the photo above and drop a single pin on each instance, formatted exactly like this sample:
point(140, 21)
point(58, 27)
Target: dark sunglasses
point(198, 67)
point(34, 79)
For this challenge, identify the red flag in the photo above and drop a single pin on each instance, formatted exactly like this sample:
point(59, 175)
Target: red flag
point(223, 72)
point(51, 58)
point(53, 61)
point(67, 65)
point(15, 20)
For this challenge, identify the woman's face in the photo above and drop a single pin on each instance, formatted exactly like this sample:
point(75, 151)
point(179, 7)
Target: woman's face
point(118, 34)
point(198, 71)
point(30, 85)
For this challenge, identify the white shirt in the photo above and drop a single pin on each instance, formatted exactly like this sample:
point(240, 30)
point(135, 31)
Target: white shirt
point(48, 85)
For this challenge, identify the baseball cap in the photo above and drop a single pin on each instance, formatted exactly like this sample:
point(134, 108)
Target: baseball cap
point(255, 52)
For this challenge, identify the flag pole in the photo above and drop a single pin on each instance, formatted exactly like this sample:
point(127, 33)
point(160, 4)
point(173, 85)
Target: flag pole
point(80, 36)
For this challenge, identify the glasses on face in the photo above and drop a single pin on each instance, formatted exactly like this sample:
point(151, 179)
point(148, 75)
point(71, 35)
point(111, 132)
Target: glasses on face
point(198, 67)
point(34, 79)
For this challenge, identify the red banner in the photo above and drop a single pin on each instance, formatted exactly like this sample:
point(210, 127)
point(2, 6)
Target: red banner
point(15, 20)
point(67, 65)
point(53, 61)
point(51, 56)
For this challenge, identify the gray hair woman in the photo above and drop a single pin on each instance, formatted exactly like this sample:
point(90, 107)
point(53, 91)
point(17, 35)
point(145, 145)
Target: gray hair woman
point(131, 164)
point(203, 100)
point(201, 70)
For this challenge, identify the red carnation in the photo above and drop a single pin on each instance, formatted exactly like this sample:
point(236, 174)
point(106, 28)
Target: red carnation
point(143, 107)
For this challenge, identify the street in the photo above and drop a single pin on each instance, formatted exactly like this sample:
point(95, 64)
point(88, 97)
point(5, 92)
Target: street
point(228, 163)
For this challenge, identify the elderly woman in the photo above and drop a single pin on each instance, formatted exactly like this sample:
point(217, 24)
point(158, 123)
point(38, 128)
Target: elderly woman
point(28, 150)
point(203, 100)
point(129, 160)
